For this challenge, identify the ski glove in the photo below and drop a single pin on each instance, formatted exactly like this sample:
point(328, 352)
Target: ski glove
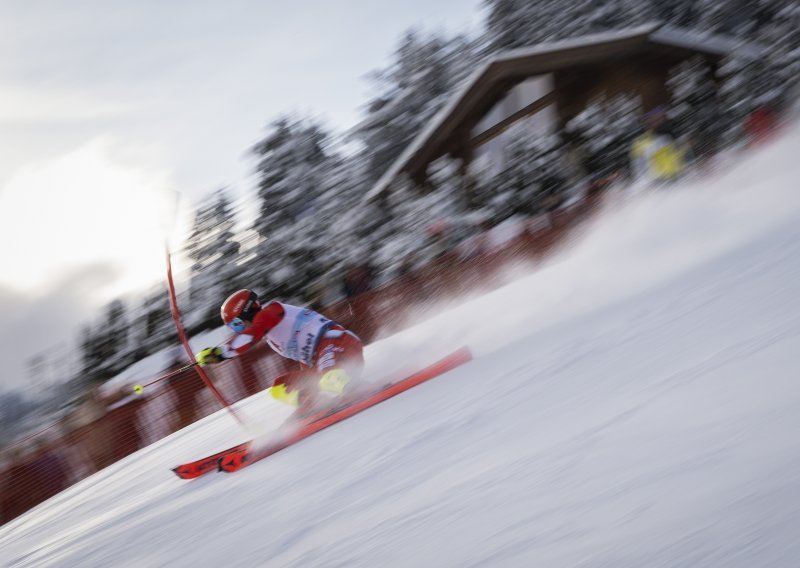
point(209, 355)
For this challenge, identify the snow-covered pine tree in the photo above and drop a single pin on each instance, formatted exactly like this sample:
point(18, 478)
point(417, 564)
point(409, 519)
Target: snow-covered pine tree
point(292, 159)
point(152, 327)
point(423, 72)
point(533, 170)
point(694, 108)
point(419, 226)
point(778, 27)
point(214, 251)
point(680, 13)
point(505, 26)
point(104, 346)
point(517, 23)
point(299, 178)
point(341, 232)
point(603, 133)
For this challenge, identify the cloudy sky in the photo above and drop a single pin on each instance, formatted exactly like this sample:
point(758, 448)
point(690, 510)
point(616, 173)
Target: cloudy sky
point(111, 108)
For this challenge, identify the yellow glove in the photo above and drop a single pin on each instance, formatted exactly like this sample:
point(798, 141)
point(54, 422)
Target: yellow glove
point(334, 381)
point(209, 355)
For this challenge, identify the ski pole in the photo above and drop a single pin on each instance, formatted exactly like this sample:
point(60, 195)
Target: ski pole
point(139, 389)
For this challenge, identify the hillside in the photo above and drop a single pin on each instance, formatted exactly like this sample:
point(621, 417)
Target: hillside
point(633, 403)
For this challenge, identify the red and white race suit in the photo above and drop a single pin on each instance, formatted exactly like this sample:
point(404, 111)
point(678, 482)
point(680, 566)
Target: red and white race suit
point(302, 335)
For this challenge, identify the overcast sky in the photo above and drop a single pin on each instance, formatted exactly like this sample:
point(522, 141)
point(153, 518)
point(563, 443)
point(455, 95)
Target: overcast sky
point(107, 108)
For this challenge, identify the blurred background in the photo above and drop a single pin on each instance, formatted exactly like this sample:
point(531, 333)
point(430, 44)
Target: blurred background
point(367, 160)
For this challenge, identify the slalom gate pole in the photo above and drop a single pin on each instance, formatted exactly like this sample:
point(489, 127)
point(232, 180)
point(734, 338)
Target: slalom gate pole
point(176, 316)
point(138, 389)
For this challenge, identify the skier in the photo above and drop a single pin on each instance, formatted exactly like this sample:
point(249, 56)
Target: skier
point(330, 357)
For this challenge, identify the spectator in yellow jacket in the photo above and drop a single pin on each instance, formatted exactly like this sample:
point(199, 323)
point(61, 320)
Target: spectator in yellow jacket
point(656, 154)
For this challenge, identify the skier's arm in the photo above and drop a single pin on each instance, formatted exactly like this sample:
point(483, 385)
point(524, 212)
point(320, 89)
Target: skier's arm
point(264, 321)
point(239, 344)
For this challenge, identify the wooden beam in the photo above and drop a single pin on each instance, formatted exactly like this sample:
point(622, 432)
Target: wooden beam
point(479, 100)
point(500, 127)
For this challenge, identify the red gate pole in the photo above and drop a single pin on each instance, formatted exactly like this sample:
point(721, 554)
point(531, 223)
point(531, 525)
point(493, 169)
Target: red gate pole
point(176, 316)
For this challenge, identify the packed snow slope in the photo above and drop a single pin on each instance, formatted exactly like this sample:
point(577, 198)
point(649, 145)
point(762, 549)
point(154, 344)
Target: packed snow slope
point(632, 403)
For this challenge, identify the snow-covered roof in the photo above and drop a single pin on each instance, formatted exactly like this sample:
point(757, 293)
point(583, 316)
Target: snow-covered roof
point(706, 43)
point(577, 42)
point(545, 61)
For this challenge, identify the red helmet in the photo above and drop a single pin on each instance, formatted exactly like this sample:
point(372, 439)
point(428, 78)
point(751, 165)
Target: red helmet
point(242, 305)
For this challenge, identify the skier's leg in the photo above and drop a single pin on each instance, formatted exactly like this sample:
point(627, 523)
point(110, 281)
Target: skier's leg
point(340, 362)
point(297, 389)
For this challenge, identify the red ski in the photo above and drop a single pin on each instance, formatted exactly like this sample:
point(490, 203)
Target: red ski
point(236, 460)
point(205, 465)
point(237, 457)
point(192, 470)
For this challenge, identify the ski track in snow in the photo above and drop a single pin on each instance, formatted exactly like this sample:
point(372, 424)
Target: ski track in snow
point(644, 416)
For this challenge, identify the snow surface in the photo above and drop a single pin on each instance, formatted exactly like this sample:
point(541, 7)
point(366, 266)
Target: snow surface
point(632, 403)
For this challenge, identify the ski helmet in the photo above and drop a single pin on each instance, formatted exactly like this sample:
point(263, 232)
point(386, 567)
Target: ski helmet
point(241, 305)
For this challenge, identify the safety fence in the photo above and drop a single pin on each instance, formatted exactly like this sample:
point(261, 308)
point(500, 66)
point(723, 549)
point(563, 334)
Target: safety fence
point(102, 431)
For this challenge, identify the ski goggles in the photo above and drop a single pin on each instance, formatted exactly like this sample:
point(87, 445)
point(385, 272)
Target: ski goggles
point(237, 325)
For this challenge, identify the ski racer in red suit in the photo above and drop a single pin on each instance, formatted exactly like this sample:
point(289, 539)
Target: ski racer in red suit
point(330, 356)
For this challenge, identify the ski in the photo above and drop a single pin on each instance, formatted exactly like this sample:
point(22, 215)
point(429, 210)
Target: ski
point(350, 406)
point(237, 457)
point(192, 470)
